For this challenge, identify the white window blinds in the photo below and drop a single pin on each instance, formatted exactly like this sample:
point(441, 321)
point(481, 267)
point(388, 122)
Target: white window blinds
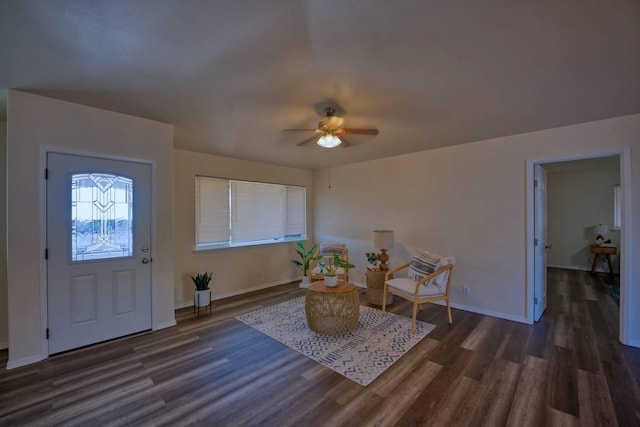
point(230, 213)
point(212, 210)
point(295, 220)
point(257, 211)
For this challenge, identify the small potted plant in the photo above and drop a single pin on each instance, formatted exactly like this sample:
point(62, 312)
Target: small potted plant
point(330, 269)
point(202, 294)
point(305, 258)
point(374, 279)
point(373, 259)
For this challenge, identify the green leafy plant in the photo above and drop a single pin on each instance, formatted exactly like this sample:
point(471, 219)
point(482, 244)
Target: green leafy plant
point(373, 258)
point(201, 281)
point(306, 256)
point(331, 264)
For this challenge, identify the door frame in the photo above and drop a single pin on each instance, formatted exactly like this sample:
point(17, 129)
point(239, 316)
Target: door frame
point(625, 234)
point(42, 232)
point(540, 250)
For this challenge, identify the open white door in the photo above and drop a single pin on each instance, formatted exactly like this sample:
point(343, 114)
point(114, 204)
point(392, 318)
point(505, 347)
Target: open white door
point(540, 241)
point(99, 250)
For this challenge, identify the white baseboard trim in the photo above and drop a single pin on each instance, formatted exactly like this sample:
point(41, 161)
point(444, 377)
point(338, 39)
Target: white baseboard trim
point(477, 310)
point(4, 345)
point(632, 343)
point(500, 315)
point(485, 312)
point(12, 364)
point(570, 267)
point(491, 313)
point(183, 304)
point(581, 268)
point(216, 296)
point(165, 325)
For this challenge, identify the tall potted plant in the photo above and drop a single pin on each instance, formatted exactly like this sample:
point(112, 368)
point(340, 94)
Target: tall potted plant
point(202, 293)
point(304, 261)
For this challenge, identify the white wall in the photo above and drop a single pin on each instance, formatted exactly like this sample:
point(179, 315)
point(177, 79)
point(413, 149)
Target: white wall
point(580, 195)
point(470, 201)
point(4, 329)
point(235, 270)
point(35, 124)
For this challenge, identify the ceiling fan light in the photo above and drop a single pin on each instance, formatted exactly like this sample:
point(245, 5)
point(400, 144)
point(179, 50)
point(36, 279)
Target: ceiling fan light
point(329, 141)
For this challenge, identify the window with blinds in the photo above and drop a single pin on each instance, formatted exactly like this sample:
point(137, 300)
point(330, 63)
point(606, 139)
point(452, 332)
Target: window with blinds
point(237, 213)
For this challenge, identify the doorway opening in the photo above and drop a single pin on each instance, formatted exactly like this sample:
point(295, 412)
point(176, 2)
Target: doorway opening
point(581, 195)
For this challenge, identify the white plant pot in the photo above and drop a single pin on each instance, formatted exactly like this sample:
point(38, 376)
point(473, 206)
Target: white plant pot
point(331, 281)
point(202, 298)
point(305, 282)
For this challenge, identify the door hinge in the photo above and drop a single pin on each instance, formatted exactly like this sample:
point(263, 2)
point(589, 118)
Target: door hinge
point(47, 333)
point(535, 183)
point(535, 242)
point(46, 173)
point(535, 300)
point(46, 253)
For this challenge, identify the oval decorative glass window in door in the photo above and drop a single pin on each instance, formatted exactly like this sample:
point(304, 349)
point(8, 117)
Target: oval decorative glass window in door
point(101, 216)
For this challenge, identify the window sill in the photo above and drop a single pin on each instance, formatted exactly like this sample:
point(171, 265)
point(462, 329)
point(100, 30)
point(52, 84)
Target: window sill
point(215, 247)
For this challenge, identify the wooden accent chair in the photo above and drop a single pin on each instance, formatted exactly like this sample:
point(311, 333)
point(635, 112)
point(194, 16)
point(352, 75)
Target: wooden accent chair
point(428, 280)
point(326, 250)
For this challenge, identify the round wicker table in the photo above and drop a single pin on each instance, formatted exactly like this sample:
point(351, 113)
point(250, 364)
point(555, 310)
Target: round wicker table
point(332, 310)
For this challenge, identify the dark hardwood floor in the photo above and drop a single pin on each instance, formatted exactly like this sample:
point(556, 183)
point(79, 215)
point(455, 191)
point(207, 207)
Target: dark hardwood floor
point(568, 369)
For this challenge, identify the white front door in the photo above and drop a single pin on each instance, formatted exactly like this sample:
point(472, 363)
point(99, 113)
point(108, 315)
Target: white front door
point(540, 241)
point(98, 249)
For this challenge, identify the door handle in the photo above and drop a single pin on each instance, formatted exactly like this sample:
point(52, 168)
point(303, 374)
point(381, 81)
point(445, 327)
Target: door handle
point(548, 246)
point(145, 260)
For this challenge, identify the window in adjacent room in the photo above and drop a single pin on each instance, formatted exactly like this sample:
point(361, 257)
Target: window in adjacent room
point(617, 208)
point(242, 213)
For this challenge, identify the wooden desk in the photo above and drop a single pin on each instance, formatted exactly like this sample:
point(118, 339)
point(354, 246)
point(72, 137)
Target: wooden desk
point(602, 251)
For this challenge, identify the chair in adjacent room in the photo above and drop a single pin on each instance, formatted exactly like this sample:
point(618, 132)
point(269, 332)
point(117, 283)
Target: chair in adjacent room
point(428, 280)
point(323, 255)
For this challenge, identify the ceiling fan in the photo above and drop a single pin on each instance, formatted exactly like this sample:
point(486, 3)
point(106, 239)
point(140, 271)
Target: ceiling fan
point(330, 133)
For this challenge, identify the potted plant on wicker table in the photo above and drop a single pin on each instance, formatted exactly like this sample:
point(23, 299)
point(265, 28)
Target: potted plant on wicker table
point(330, 268)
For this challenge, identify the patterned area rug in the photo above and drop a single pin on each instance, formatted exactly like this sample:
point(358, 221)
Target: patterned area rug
point(362, 355)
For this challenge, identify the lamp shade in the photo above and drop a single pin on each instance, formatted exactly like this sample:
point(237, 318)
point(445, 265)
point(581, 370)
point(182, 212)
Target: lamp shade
point(383, 239)
point(600, 230)
point(329, 141)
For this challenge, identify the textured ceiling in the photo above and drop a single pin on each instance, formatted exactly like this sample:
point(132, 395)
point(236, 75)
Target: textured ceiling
point(230, 75)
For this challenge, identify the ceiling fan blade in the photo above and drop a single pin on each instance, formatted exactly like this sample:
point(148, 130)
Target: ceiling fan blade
point(355, 131)
point(297, 130)
point(306, 141)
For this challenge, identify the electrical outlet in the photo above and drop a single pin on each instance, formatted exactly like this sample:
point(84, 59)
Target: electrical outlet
point(466, 290)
